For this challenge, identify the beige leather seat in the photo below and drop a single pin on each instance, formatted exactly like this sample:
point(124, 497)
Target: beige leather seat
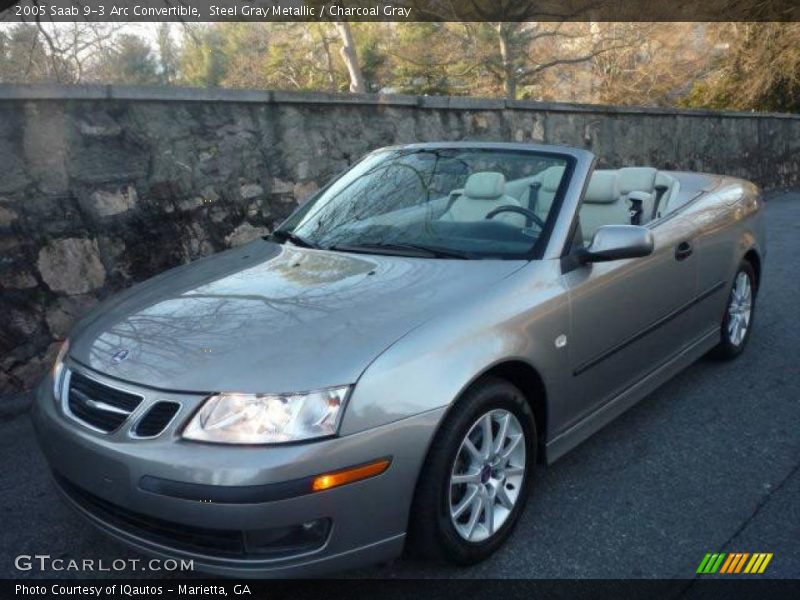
point(668, 187)
point(483, 192)
point(548, 181)
point(639, 179)
point(602, 204)
point(551, 179)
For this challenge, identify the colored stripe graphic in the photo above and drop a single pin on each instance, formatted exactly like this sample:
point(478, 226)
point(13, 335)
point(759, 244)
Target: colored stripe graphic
point(727, 565)
point(711, 563)
point(754, 564)
point(741, 562)
point(765, 563)
point(734, 563)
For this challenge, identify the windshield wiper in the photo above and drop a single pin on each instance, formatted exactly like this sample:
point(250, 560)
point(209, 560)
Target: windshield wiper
point(417, 250)
point(297, 240)
point(438, 251)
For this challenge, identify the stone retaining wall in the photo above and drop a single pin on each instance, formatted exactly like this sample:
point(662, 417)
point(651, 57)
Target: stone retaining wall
point(103, 186)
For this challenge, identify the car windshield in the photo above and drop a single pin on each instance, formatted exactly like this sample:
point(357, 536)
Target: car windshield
point(435, 203)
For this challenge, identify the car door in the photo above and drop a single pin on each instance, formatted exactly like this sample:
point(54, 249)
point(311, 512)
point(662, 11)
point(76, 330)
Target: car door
point(628, 317)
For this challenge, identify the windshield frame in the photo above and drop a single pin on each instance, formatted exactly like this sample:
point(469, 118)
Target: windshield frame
point(537, 249)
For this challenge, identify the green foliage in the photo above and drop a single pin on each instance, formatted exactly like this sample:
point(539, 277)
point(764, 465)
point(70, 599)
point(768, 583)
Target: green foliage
point(203, 62)
point(420, 65)
point(130, 61)
point(167, 54)
point(264, 55)
point(372, 53)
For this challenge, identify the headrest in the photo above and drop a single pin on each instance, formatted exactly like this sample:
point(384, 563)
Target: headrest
point(640, 179)
point(551, 178)
point(602, 188)
point(485, 185)
point(664, 180)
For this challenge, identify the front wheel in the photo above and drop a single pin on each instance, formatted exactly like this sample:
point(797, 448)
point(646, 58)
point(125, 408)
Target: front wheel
point(737, 321)
point(476, 479)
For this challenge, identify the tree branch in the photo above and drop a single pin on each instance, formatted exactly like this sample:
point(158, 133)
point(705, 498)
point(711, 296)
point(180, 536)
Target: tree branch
point(524, 77)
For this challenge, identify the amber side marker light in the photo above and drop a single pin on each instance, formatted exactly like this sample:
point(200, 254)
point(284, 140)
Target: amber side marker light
point(337, 478)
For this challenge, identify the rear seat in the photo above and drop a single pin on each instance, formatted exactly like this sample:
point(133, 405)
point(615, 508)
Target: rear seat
point(639, 179)
point(608, 195)
point(667, 189)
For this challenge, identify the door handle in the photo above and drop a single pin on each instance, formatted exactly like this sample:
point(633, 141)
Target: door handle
point(683, 251)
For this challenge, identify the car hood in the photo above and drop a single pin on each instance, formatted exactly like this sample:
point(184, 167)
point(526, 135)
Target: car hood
point(272, 318)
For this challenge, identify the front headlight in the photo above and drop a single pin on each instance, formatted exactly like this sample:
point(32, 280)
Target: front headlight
point(57, 372)
point(267, 418)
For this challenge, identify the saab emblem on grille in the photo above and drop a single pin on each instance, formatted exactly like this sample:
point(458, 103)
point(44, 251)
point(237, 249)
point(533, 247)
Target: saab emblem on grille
point(119, 356)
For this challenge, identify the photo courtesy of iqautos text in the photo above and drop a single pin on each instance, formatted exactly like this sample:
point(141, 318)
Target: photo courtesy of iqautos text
point(458, 297)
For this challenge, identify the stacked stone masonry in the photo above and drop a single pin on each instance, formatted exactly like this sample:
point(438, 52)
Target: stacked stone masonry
point(104, 186)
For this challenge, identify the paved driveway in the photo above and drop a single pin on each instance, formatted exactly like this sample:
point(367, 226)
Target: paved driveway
point(710, 462)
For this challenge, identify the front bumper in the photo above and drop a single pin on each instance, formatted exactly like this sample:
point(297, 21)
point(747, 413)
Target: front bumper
point(101, 476)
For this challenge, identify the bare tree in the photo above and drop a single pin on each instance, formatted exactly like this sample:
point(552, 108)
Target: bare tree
point(350, 57)
point(526, 50)
point(54, 52)
point(325, 40)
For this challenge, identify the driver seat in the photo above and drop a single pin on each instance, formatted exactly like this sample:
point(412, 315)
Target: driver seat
point(483, 192)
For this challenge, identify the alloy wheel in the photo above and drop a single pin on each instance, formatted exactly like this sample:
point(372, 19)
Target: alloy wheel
point(487, 475)
point(740, 309)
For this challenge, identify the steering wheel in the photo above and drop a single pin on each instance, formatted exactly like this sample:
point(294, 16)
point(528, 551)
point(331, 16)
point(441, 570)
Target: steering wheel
point(532, 216)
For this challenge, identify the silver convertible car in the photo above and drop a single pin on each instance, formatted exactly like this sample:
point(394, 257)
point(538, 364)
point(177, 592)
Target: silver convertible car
point(389, 368)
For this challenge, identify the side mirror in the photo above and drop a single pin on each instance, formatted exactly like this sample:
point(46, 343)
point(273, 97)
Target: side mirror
point(615, 242)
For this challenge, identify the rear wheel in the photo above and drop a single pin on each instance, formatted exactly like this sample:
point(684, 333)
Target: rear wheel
point(737, 321)
point(476, 479)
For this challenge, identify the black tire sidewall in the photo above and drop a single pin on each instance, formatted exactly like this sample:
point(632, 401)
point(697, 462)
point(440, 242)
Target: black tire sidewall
point(726, 348)
point(484, 396)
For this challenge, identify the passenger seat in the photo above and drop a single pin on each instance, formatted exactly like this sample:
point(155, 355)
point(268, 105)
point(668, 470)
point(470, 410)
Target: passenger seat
point(602, 204)
point(545, 185)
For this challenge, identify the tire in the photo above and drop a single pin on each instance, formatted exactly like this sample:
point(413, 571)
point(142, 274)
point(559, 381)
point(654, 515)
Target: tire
point(732, 341)
point(433, 532)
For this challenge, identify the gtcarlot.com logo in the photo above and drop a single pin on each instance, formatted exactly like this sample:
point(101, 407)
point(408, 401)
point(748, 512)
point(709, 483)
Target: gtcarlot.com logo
point(44, 562)
point(735, 562)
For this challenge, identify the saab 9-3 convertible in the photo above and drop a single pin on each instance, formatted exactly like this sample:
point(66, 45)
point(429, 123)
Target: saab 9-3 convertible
point(388, 368)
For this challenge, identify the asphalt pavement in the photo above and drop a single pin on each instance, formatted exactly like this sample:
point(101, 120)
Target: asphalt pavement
point(708, 463)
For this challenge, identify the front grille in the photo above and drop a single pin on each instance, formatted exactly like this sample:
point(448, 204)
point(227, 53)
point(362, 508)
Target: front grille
point(156, 419)
point(102, 407)
point(256, 544)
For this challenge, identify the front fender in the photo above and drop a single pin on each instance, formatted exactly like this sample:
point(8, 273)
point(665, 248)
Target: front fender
point(752, 235)
point(430, 367)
